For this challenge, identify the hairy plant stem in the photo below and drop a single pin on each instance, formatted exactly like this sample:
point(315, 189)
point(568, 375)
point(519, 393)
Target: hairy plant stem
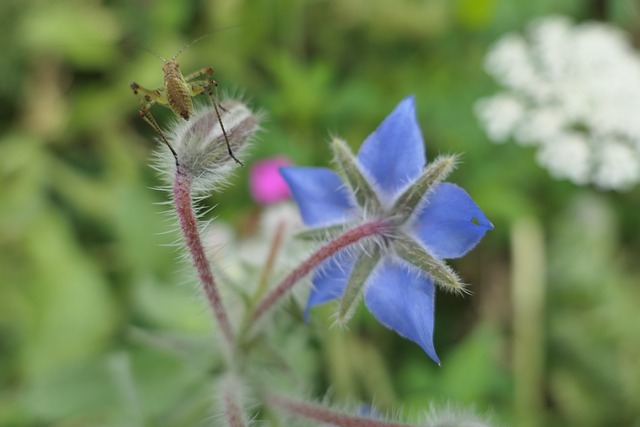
point(370, 229)
point(189, 226)
point(231, 407)
point(320, 413)
point(267, 269)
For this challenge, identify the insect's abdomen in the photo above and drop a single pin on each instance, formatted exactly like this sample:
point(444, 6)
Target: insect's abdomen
point(177, 92)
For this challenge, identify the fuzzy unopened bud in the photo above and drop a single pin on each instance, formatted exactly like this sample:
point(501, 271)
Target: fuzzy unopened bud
point(201, 147)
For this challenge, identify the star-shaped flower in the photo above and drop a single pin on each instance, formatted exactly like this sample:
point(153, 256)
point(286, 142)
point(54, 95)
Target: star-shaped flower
point(427, 221)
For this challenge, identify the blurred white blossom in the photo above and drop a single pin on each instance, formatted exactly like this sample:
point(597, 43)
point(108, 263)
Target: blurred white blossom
point(240, 258)
point(281, 217)
point(574, 92)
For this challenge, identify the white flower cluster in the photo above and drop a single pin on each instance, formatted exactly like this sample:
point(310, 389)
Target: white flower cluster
point(574, 92)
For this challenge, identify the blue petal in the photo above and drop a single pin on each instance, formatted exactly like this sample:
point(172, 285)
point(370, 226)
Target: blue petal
point(330, 280)
point(451, 223)
point(320, 194)
point(403, 301)
point(394, 155)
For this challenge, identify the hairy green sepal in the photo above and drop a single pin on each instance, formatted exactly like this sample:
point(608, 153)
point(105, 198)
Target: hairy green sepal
point(348, 169)
point(366, 262)
point(322, 233)
point(414, 253)
point(436, 172)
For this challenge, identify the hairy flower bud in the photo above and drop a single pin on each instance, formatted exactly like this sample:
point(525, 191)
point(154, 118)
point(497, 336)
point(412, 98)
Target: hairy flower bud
point(201, 147)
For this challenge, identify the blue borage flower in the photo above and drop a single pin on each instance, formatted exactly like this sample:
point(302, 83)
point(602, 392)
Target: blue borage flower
point(428, 221)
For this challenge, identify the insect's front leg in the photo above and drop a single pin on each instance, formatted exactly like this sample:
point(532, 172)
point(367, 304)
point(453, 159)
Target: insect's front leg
point(208, 71)
point(148, 100)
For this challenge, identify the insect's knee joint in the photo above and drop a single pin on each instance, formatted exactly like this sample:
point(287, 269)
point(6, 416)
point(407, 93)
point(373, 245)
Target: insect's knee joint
point(135, 86)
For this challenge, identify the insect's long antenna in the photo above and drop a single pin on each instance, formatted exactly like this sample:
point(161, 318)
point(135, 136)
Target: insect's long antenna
point(183, 48)
point(191, 43)
point(154, 53)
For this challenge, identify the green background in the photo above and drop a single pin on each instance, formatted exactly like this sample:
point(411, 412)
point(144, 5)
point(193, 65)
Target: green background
point(99, 322)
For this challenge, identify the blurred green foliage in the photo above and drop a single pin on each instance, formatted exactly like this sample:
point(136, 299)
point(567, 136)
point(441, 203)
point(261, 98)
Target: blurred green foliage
point(94, 327)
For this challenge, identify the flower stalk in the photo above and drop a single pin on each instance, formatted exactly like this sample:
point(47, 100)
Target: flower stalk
point(322, 414)
point(189, 226)
point(269, 264)
point(231, 407)
point(200, 161)
point(367, 230)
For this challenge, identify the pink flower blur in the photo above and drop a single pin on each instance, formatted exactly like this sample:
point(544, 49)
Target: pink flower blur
point(265, 183)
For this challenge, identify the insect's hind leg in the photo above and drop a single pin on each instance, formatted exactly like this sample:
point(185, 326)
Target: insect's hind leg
point(198, 87)
point(147, 102)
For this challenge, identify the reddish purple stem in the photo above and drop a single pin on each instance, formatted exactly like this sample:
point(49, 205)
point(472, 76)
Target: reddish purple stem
point(320, 413)
point(232, 412)
point(328, 250)
point(189, 225)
